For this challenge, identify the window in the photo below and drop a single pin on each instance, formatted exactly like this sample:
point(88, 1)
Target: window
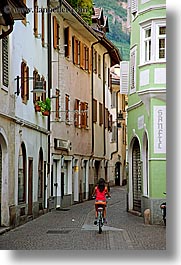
point(24, 82)
point(55, 33)
point(84, 56)
point(84, 114)
point(153, 42)
point(5, 62)
point(77, 113)
point(100, 113)
point(67, 41)
point(147, 45)
point(35, 18)
point(94, 110)
point(162, 42)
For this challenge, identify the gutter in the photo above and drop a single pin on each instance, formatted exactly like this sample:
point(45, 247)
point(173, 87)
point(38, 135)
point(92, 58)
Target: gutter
point(92, 91)
point(116, 126)
point(104, 118)
point(49, 86)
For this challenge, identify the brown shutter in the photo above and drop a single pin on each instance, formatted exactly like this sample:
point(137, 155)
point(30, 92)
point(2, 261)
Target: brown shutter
point(94, 110)
point(55, 31)
point(81, 55)
point(67, 107)
point(27, 83)
point(43, 28)
point(23, 80)
point(57, 104)
point(35, 18)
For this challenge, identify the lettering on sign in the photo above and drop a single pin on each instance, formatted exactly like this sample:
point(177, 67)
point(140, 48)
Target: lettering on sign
point(159, 129)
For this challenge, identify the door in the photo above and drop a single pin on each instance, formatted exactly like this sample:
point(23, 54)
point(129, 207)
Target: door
point(30, 185)
point(136, 173)
point(117, 174)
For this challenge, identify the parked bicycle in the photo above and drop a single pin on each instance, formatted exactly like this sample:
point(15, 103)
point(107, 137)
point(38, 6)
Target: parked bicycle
point(163, 209)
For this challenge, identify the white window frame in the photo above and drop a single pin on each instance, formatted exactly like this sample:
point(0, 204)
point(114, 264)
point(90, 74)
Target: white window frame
point(154, 25)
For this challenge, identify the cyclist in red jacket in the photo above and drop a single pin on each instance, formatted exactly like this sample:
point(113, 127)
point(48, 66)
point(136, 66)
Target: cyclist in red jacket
point(100, 192)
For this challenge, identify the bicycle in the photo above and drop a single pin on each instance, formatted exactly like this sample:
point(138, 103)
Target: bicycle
point(100, 219)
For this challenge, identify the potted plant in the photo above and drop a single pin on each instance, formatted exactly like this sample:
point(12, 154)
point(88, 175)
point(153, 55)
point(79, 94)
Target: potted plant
point(37, 106)
point(45, 106)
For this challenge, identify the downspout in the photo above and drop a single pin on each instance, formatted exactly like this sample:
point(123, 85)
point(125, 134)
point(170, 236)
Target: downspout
point(104, 136)
point(6, 33)
point(92, 91)
point(49, 87)
point(116, 125)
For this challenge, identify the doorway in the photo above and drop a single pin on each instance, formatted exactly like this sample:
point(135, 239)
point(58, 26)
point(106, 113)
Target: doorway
point(30, 185)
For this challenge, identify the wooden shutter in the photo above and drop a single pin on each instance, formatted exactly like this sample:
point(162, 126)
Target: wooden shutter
point(57, 104)
point(27, 83)
point(43, 28)
point(35, 18)
point(106, 117)
point(67, 107)
point(124, 77)
point(94, 110)
point(134, 6)
point(55, 33)
point(81, 55)
point(23, 66)
point(133, 70)
point(100, 113)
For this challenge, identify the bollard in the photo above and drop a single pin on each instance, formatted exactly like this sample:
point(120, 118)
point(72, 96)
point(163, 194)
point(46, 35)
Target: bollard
point(147, 216)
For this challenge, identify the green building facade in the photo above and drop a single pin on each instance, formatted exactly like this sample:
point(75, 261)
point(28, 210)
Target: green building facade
point(147, 107)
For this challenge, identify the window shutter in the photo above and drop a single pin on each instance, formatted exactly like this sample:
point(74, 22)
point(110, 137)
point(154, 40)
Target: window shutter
point(124, 77)
point(81, 55)
point(35, 18)
point(134, 6)
point(90, 60)
point(133, 70)
point(57, 104)
point(67, 107)
point(43, 28)
point(94, 110)
point(5, 61)
point(23, 65)
point(100, 113)
point(106, 117)
point(27, 83)
point(55, 31)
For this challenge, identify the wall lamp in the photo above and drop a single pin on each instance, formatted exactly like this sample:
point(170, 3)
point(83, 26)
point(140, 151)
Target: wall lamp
point(38, 89)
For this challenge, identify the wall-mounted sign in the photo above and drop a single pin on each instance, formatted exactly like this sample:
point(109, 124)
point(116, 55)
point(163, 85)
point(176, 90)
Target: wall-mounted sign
point(159, 129)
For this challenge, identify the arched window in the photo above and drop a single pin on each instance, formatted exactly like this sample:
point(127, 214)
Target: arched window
point(22, 174)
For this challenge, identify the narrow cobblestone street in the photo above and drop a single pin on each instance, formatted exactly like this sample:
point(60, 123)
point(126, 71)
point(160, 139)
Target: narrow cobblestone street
point(73, 229)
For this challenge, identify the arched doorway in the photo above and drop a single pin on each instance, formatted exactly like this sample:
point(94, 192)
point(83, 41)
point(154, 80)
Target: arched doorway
point(22, 174)
point(117, 174)
point(136, 176)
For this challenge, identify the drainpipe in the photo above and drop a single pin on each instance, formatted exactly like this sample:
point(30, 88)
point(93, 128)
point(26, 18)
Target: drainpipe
point(49, 86)
point(104, 136)
point(116, 126)
point(92, 91)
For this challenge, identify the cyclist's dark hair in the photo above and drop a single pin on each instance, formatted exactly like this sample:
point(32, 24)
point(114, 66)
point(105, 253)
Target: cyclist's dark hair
point(101, 184)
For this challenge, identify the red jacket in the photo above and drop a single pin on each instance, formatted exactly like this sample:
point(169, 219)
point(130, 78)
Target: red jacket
point(100, 196)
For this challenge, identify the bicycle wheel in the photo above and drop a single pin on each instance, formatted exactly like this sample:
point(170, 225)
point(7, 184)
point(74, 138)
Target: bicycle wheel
point(100, 226)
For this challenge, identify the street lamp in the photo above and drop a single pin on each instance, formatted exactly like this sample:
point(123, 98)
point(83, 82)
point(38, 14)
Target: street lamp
point(38, 88)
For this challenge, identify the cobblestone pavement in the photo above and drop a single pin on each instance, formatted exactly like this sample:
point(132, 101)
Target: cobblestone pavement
point(73, 229)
